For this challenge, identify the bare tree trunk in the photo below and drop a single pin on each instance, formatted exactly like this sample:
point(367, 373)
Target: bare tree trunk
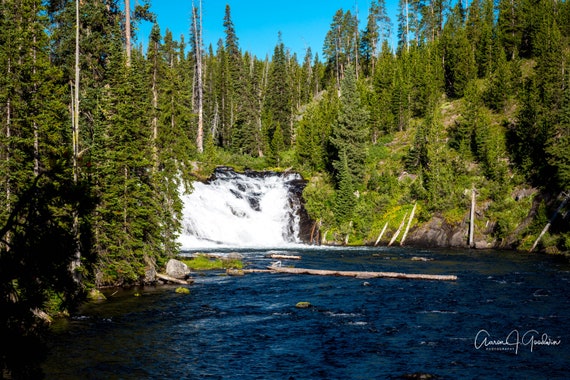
point(128, 30)
point(381, 234)
point(472, 218)
point(398, 231)
point(197, 24)
point(408, 225)
point(35, 123)
point(76, 263)
point(407, 28)
point(154, 121)
point(547, 227)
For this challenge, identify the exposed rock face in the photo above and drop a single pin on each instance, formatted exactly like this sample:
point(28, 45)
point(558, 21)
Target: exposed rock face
point(296, 188)
point(150, 275)
point(438, 233)
point(177, 269)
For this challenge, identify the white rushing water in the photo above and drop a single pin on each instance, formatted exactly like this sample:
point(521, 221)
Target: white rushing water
point(250, 210)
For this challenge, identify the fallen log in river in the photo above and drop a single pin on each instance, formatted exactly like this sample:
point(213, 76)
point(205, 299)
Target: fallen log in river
point(322, 272)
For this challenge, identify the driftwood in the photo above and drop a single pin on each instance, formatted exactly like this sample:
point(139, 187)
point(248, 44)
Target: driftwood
point(168, 278)
point(321, 272)
point(284, 257)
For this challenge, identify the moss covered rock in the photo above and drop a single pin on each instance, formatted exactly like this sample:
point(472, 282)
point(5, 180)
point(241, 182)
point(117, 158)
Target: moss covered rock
point(182, 290)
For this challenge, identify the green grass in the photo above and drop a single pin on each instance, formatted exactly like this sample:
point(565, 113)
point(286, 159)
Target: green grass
point(203, 262)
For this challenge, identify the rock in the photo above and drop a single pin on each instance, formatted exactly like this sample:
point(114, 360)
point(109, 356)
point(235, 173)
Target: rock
point(303, 305)
point(235, 256)
point(438, 233)
point(150, 275)
point(482, 244)
point(177, 269)
point(182, 290)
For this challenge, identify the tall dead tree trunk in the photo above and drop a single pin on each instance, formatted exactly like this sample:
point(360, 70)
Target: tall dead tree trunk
point(128, 31)
point(76, 263)
point(197, 29)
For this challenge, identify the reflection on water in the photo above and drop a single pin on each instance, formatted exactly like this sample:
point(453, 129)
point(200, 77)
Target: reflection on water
point(248, 327)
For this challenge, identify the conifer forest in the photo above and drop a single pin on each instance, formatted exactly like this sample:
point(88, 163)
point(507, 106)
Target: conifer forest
point(99, 137)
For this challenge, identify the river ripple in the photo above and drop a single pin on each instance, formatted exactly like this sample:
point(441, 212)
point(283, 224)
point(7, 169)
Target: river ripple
point(248, 327)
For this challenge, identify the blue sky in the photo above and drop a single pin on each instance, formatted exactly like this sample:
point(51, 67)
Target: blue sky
point(303, 24)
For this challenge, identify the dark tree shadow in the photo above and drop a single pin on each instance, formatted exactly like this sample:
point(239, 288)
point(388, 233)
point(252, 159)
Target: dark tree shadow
point(37, 245)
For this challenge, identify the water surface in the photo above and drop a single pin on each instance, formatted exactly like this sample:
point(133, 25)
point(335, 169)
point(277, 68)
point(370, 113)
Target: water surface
point(248, 327)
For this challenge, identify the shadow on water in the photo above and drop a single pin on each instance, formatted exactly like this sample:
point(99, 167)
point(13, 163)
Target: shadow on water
point(249, 327)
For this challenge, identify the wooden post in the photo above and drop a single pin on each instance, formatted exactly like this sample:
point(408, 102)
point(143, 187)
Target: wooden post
point(409, 224)
point(398, 231)
point(472, 217)
point(381, 234)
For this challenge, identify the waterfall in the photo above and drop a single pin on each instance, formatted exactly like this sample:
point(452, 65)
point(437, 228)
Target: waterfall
point(250, 209)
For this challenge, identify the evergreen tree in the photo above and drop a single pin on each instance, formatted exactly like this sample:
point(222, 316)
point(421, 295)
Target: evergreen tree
point(459, 59)
point(313, 132)
point(376, 33)
point(345, 199)
point(341, 43)
point(278, 98)
point(509, 26)
point(558, 144)
point(350, 131)
point(381, 115)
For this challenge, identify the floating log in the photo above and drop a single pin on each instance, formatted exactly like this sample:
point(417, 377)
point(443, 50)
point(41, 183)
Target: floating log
point(168, 278)
point(284, 257)
point(322, 272)
point(419, 258)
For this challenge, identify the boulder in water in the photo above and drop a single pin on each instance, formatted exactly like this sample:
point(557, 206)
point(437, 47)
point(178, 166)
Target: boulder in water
point(177, 269)
point(182, 290)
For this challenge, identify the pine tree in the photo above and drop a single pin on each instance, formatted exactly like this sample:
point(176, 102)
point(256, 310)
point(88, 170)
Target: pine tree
point(278, 98)
point(509, 27)
point(558, 144)
point(350, 131)
point(313, 132)
point(345, 199)
point(341, 44)
point(376, 33)
point(459, 59)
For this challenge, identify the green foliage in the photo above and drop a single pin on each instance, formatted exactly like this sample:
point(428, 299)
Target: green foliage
point(350, 132)
point(464, 101)
point(344, 201)
point(203, 262)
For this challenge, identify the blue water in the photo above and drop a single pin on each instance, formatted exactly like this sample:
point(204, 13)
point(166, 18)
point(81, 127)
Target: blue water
point(248, 327)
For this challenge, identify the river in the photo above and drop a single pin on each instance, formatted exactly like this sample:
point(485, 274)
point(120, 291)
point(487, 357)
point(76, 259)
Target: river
point(507, 316)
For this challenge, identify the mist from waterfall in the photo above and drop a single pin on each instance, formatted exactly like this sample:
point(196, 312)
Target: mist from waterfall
point(251, 209)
